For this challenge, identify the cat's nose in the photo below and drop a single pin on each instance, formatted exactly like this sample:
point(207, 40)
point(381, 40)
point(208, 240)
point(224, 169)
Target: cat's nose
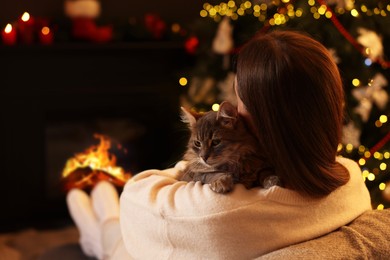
point(204, 156)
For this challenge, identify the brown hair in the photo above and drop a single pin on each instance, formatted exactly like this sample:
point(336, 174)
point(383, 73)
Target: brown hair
point(292, 89)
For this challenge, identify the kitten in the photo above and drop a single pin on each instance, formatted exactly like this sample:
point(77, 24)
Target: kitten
point(221, 151)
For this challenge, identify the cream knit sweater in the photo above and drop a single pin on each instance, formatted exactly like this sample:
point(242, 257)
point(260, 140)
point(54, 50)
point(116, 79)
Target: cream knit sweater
point(163, 218)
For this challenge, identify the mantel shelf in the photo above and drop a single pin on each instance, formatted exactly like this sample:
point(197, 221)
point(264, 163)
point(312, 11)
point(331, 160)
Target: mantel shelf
point(82, 46)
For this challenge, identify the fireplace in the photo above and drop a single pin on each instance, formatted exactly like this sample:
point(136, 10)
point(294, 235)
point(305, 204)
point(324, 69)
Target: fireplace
point(55, 98)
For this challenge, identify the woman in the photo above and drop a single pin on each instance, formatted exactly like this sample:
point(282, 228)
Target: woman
point(290, 93)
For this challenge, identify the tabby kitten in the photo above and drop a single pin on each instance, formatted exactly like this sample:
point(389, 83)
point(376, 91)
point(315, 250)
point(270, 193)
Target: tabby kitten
point(221, 151)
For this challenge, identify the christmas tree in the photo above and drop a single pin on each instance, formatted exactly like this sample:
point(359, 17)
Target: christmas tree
point(355, 32)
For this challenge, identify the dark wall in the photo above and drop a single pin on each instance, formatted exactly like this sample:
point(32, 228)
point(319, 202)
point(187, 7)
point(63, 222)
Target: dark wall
point(46, 107)
point(169, 10)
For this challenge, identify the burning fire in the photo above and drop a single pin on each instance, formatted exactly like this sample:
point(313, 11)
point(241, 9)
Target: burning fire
point(96, 163)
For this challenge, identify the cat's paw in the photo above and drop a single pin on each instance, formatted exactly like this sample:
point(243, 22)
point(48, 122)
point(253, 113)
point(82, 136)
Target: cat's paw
point(223, 184)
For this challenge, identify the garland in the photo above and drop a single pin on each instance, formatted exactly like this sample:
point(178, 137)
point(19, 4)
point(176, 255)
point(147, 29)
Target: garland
point(380, 144)
point(349, 37)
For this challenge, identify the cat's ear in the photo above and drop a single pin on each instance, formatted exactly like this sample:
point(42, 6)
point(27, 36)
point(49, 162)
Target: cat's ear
point(227, 114)
point(188, 117)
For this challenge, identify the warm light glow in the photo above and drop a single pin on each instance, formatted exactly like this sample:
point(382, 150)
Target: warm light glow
point(96, 157)
point(339, 147)
point(362, 161)
point(380, 207)
point(183, 81)
point(45, 30)
point(291, 13)
point(328, 14)
point(203, 13)
point(212, 11)
point(383, 166)
point(371, 176)
point(367, 154)
point(25, 17)
point(175, 28)
point(247, 4)
point(322, 9)
point(355, 82)
point(8, 28)
point(299, 12)
point(240, 11)
point(382, 186)
point(383, 119)
point(349, 147)
point(386, 155)
point(378, 156)
point(215, 107)
point(231, 4)
point(354, 13)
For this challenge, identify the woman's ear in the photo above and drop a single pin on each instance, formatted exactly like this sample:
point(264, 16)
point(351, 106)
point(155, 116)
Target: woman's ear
point(227, 114)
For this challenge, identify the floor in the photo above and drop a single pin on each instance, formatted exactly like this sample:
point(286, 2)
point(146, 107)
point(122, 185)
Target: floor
point(30, 244)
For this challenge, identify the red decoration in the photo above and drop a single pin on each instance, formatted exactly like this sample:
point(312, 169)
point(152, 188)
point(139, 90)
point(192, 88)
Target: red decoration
point(191, 44)
point(26, 28)
point(155, 25)
point(86, 29)
point(9, 35)
point(46, 36)
point(380, 144)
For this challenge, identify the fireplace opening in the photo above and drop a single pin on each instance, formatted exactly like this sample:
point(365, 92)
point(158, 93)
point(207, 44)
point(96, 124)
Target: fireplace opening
point(64, 140)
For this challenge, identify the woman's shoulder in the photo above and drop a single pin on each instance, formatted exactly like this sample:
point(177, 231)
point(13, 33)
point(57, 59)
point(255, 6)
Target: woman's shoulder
point(351, 165)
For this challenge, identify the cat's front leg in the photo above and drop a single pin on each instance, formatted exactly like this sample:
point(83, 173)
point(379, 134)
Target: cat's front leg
point(219, 182)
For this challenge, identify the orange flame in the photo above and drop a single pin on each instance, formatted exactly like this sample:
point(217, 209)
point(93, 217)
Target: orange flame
point(97, 158)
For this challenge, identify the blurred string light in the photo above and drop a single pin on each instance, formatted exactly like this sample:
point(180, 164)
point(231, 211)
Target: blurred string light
point(215, 107)
point(286, 11)
point(183, 81)
point(379, 160)
point(235, 9)
point(368, 62)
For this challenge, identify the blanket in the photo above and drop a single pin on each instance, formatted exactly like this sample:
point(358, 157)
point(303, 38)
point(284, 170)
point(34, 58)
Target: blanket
point(367, 237)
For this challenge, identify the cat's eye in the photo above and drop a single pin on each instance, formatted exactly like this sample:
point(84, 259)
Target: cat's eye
point(215, 142)
point(197, 143)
